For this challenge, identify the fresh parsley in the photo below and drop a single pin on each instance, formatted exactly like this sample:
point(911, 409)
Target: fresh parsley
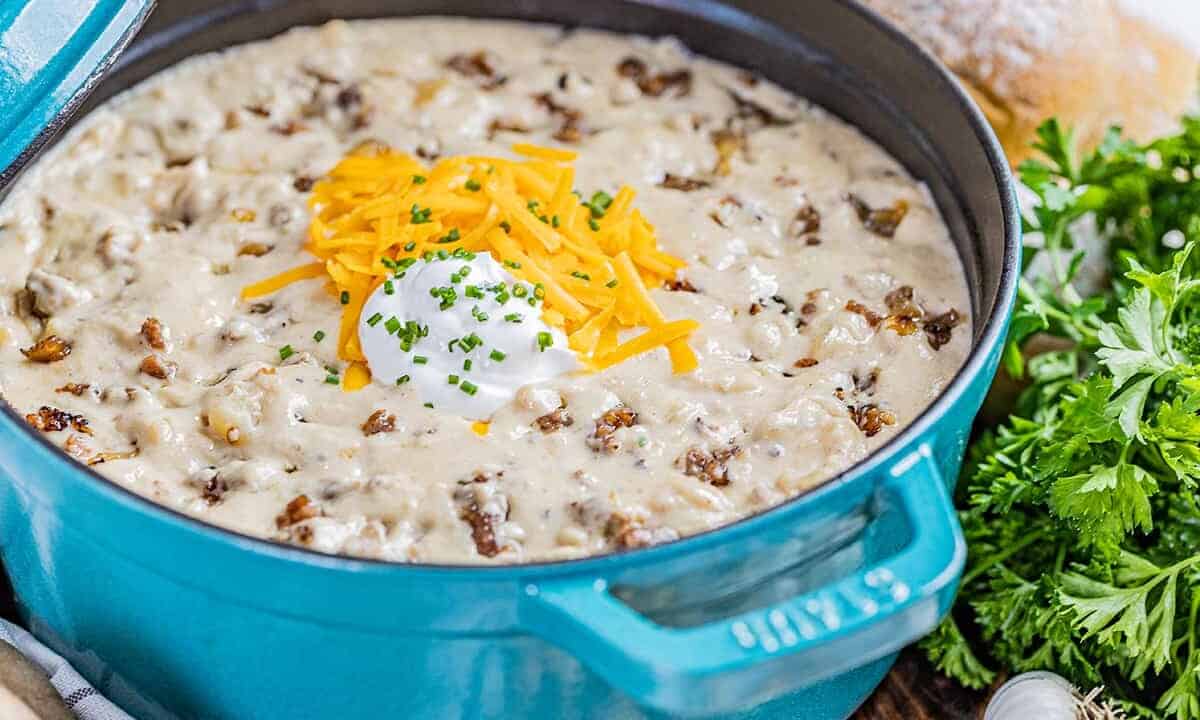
point(1082, 510)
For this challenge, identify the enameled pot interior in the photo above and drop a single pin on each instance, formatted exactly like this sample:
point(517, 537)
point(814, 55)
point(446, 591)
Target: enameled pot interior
point(830, 51)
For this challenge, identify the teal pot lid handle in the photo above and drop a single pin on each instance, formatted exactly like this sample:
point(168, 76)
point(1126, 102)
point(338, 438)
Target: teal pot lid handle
point(730, 663)
point(52, 52)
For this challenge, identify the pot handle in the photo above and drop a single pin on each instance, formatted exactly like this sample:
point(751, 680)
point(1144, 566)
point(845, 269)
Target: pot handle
point(735, 662)
point(53, 52)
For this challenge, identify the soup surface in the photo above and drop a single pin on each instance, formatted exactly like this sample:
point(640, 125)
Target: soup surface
point(831, 304)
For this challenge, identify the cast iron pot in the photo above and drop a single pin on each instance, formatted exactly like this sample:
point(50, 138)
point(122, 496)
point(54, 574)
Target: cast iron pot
point(794, 613)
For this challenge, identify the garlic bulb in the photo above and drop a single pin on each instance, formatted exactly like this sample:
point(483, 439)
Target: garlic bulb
point(1041, 695)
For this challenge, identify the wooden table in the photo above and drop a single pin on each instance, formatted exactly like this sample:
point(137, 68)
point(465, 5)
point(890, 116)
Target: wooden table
point(913, 690)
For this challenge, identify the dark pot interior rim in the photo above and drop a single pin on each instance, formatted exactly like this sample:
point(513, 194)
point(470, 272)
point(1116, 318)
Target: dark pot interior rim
point(976, 364)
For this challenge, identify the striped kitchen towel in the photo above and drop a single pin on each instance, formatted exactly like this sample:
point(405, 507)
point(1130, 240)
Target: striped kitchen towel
point(83, 699)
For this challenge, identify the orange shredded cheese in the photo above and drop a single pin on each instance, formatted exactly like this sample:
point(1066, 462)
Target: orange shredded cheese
point(357, 377)
point(593, 260)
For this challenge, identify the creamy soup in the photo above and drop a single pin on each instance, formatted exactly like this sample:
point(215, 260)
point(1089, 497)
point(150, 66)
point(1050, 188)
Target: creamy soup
point(828, 301)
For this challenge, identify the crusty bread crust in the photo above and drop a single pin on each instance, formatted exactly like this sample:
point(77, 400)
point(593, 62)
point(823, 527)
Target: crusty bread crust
point(1085, 61)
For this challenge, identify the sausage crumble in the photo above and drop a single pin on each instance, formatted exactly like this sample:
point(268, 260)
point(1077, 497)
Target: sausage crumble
point(671, 181)
point(880, 221)
point(938, 329)
point(603, 438)
point(49, 349)
point(709, 466)
point(380, 421)
point(52, 419)
point(298, 509)
point(152, 333)
point(554, 421)
point(156, 367)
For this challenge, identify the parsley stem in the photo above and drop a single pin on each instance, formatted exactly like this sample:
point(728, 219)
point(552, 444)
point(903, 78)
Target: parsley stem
point(988, 563)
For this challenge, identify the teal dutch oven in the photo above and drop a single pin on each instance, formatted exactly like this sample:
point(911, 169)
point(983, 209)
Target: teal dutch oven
point(797, 612)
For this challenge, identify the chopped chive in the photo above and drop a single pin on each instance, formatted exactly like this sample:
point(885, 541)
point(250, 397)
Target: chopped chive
point(429, 405)
point(410, 246)
point(532, 302)
point(345, 297)
point(451, 344)
point(420, 359)
point(467, 365)
point(332, 380)
point(392, 325)
point(581, 275)
point(473, 291)
point(544, 340)
point(468, 387)
point(473, 185)
point(374, 319)
point(593, 224)
point(497, 355)
point(611, 283)
point(452, 379)
point(389, 288)
point(420, 215)
point(512, 264)
point(286, 352)
point(520, 290)
point(402, 379)
point(513, 317)
point(442, 254)
point(319, 335)
point(601, 200)
point(418, 179)
point(554, 221)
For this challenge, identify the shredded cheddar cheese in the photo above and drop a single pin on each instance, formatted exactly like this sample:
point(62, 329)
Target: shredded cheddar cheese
point(594, 259)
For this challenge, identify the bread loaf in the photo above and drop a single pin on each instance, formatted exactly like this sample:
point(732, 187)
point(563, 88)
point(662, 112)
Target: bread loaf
point(1088, 62)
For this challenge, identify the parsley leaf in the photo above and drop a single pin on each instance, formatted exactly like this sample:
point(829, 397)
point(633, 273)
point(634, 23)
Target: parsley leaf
point(1082, 510)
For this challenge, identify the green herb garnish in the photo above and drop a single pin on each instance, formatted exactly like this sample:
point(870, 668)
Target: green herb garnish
point(420, 215)
point(1082, 510)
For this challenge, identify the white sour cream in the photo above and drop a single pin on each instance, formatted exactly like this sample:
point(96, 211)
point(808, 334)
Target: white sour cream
point(472, 336)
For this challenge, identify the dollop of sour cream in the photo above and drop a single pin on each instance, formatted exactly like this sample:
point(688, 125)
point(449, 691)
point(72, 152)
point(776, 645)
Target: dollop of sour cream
point(462, 331)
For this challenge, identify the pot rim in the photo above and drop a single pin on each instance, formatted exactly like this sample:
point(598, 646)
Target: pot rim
point(992, 334)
